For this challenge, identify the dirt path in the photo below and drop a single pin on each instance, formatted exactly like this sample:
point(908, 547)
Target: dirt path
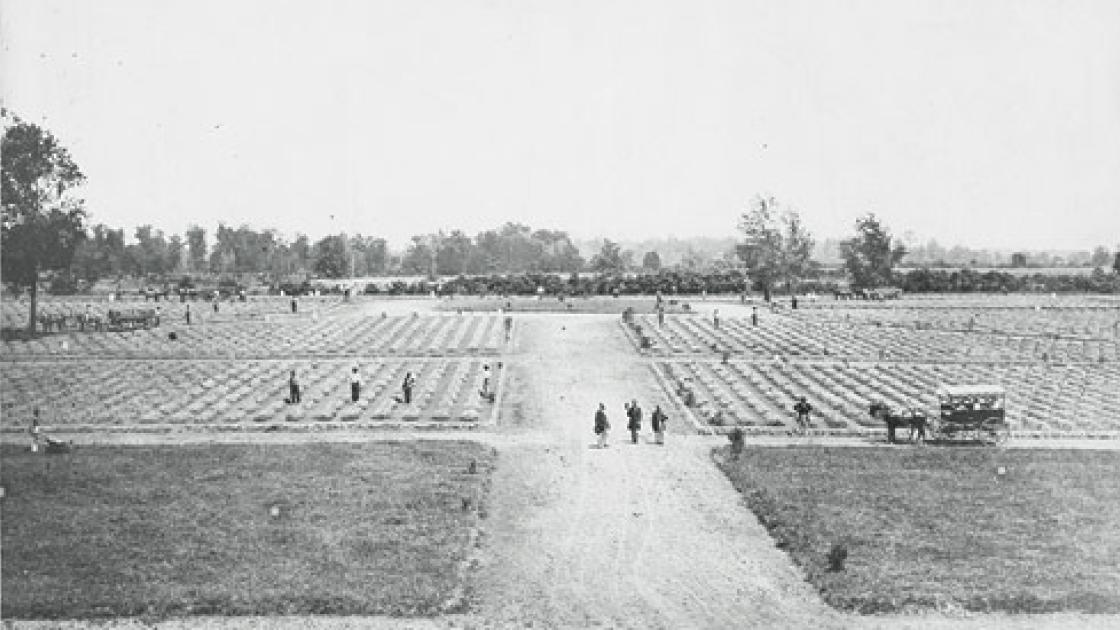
point(632, 536)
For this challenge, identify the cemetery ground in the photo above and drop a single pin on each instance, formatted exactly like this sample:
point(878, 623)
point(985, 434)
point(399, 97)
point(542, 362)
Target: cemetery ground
point(635, 536)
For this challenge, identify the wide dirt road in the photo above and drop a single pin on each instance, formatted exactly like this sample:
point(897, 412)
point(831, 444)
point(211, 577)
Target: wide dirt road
point(632, 536)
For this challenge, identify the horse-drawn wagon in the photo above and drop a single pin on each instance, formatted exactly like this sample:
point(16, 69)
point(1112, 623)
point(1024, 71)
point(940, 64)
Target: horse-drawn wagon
point(966, 412)
point(132, 319)
point(976, 412)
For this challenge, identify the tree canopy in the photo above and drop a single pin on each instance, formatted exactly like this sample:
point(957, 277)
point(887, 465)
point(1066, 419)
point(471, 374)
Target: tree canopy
point(776, 246)
point(42, 222)
point(870, 256)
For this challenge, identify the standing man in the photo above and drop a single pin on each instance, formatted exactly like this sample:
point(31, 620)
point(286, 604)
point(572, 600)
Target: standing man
point(660, 314)
point(658, 420)
point(293, 388)
point(634, 422)
point(406, 387)
point(715, 318)
point(602, 426)
point(355, 384)
point(485, 380)
point(754, 316)
point(188, 314)
point(34, 430)
point(803, 408)
point(294, 304)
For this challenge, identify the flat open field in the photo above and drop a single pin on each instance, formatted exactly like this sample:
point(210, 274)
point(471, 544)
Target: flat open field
point(375, 528)
point(940, 527)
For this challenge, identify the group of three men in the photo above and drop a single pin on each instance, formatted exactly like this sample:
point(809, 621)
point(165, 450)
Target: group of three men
point(658, 421)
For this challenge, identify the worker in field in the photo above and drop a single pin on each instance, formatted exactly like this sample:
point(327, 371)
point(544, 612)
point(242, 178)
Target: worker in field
point(602, 426)
point(35, 431)
point(754, 316)
point(803, 409)
point(355, 384)
point(485, 381)
point(293, 388)
point(406, 387)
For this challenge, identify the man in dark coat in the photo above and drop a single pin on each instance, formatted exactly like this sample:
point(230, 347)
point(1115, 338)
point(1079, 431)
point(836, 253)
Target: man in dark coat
point(634, 420)
point(602, 426)
point(803, 408)
point(657, 420)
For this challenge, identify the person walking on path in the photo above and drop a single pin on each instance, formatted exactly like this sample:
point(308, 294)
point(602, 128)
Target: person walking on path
point(34, 430)
point(355, 384)
point(293, 388)
point(485, 381)
point(602, 426)
point(188, 314)
point(295, 305)
point(406, 387)
point(754, 316)
point(803, 408)
point(660, 315)
point(634, 420)
point(715, 318)
point(658, 420)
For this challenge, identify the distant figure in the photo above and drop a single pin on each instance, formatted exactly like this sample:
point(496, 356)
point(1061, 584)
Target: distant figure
point(355, 384)
point(660, 315)
point(803, 408)
point(188, 313)
point(485, 380)
point(634, 420)
point(295, 305)
point(34, 430)
point(715, 318)
point(754, 316)
point(602, 426)
point(658, 420)
point(215, 303)
point(406, 387)
point(793, 302)
point(293, 388)
point(508, 322)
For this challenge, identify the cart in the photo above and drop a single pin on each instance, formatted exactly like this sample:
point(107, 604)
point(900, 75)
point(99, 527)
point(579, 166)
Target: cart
point(972, 412)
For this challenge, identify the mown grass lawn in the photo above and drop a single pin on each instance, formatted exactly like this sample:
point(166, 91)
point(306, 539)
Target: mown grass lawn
point(936, 527)
point(375, 528)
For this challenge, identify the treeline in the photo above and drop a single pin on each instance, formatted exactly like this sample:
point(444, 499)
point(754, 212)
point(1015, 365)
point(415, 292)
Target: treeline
point(969, 281)
point(511, 248)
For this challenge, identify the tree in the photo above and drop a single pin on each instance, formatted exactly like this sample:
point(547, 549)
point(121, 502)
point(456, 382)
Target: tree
point(42, 223)
point(1100, 257)
point(776, 246)
point(609, 259)
point(196, 248)
point(1116, 262)
point(1019, 259)
point(332, 256)
point(870, 257)
point(651, 261)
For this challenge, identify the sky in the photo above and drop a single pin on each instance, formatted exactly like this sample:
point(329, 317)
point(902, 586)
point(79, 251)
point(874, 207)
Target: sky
point(986, 123)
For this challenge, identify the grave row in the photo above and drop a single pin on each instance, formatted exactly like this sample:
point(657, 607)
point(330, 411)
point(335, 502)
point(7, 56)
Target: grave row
point(1040, 397)
point(90, 392)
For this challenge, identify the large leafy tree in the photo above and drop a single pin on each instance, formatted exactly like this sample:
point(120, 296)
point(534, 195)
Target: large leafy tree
point(42, 220)
point(776, 246)
point(610, 258)
point(332, 256)
point(871, 254)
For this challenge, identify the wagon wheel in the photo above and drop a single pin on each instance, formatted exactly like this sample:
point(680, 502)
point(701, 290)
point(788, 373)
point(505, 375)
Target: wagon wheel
point(997, 430)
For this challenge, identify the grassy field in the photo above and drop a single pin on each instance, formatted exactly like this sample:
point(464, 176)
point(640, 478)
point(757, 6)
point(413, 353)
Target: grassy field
point(379, 528)
point(941, 527)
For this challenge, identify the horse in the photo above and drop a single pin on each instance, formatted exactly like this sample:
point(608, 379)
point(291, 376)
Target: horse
point(913, 418)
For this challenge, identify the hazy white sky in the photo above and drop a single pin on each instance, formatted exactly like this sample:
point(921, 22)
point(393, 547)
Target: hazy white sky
point(982, 122)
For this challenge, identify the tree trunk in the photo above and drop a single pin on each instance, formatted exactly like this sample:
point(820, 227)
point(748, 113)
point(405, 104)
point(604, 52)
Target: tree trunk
point(31, 320)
